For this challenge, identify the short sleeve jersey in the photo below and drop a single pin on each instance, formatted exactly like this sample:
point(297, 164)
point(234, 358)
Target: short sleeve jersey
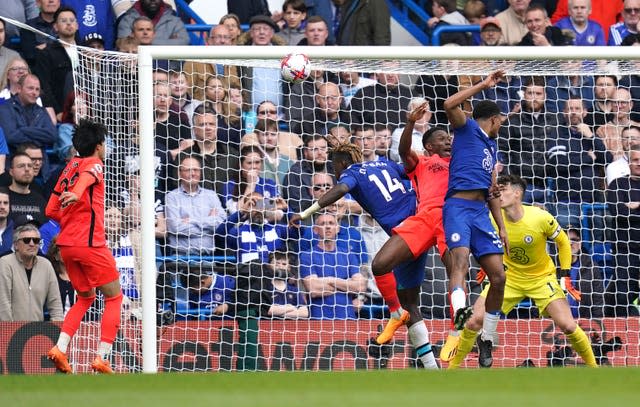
point(473, 157)
point(82, 223)
point(430, 179)
point(382, 189)
point(528, 257)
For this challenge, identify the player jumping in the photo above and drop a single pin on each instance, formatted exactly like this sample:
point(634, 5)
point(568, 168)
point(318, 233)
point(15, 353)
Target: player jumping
point(530, 274)
point(467, 223)
point(77, 203)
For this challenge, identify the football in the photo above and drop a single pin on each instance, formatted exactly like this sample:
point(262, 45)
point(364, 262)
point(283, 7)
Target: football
point(295, 68)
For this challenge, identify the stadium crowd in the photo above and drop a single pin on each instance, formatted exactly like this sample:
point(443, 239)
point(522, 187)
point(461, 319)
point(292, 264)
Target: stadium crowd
point(238, 151)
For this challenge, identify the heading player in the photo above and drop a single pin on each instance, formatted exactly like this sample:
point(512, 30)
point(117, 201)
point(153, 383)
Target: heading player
point(530, 274)
point(77, 203)
point(467, 223)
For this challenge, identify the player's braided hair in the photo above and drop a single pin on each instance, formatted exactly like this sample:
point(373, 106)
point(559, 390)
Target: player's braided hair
point(347, 151)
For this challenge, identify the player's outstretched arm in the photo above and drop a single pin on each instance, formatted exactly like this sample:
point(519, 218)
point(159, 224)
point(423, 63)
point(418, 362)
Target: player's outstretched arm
point(408, 156)
point(564, 257)
point(456, 116)
point(331, 196)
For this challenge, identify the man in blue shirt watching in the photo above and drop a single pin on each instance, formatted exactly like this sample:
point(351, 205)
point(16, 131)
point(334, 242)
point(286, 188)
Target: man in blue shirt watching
point(472, 193)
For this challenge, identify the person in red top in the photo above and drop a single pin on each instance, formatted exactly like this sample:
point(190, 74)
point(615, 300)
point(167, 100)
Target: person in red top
point(77, 203)
point(429, 174)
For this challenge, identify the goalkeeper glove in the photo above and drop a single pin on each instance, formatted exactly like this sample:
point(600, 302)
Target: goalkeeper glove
point(567, 286)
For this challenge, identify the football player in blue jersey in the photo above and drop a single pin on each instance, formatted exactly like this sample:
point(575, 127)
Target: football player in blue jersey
point(472, 194)
point(383, 190)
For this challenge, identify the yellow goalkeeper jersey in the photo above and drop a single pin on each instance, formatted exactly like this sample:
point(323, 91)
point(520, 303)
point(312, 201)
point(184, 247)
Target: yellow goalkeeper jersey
point(528, 257)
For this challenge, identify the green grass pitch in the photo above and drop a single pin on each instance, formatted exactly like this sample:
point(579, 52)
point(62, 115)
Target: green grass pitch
point(568, 387)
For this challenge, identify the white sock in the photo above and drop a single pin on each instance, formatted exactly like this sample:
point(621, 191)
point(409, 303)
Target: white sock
point(63, 342)
point(419, 337)
point(104, 349)
point(458, 299)
point(489, 326)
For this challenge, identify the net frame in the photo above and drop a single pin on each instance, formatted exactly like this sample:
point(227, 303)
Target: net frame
point(471, 60)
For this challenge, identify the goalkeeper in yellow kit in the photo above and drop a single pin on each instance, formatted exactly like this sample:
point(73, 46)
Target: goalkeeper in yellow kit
point(530, 273)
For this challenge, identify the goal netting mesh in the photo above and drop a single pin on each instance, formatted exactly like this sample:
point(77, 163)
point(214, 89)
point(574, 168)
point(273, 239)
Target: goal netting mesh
point(237, 151)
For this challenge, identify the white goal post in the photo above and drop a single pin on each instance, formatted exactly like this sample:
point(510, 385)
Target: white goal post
point(469, 61)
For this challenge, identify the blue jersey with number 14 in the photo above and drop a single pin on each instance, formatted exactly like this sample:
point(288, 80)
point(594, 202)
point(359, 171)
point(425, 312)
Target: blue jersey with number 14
point(382, 189)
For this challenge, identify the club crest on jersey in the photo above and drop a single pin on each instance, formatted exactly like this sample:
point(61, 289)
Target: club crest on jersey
point(528, 239)
point(455, 237)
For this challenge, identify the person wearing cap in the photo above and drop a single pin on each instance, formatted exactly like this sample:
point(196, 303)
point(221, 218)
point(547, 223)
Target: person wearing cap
point(28, 283)
point(585, 30)
point(94, 40)
point(170, 30)
point(490, 32)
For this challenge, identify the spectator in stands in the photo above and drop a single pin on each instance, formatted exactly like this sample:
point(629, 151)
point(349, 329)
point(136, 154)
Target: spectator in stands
point(288, 302)
point(6, 54)
point(585, 30)
point(40, 168)
point(209, 291)
point(316, 32)
point(365, 138)
point(331, 276)
point(576, 160)
point(97, 16)
point(181, 100)
point(623, 199)
point(4, 152)
point(94, 40)
point(339, 134)
point(169, 29)
point(193, 212)
point(275, 165)
point(526, 137)
point(21, 11)
point(219, 164)
point(445, 13)
point(23, 120)
point(314, 159)
point(16, 69)
point(621, 106)
point(363, 23)
point(300, 98)
point(628, 25)
point(385, 102)
point(6, 224)
point(143, 30)
point(232, 23)
point(620, 167)
point(292, 25)
point(172, 133)
point(67, 293)
point(329, 111)
point(261, 83)
point(24, 201)
point(421, 126)
point(474, 11)
point(539, 32)
point(512, 21)
point(351, 82)
point(248, 180)
point(28, 283)
point(255, 231)
point(288, 143)
point(54, 63)
point(604, 12)
point(604, 92)
point(490, 32)
point(121, 243)
point(326, 10)
point(587, 278)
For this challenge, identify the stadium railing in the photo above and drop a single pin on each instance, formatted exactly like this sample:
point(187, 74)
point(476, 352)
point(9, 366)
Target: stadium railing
point(435, 36)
